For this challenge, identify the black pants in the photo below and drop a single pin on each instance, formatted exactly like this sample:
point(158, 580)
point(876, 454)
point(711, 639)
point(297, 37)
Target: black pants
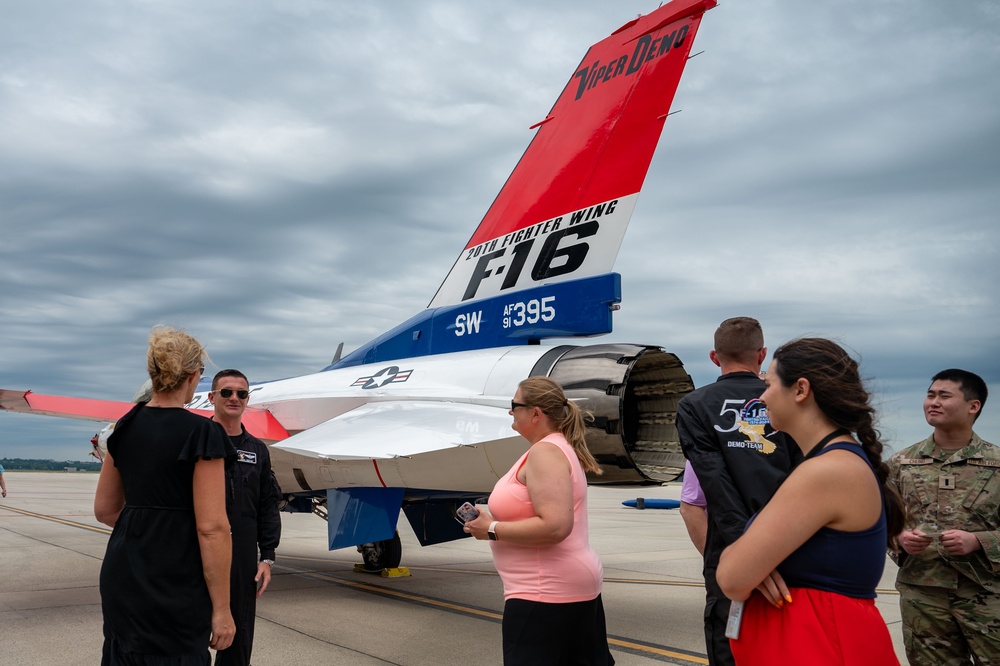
point(242, 599)
point(716, 617)
point(555, 634)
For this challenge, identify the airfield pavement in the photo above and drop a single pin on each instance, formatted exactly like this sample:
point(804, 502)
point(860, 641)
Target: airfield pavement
point(319, 611)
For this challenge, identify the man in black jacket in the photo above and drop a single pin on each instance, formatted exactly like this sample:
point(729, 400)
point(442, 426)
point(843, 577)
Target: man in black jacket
point(738, 458)
point(252, 496)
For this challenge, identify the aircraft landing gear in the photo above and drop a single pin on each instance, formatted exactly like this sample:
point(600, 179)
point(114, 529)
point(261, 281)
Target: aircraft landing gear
point(382, 554)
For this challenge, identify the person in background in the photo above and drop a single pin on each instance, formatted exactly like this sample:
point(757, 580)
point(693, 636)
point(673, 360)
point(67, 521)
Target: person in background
point(692, 508)
point(252, 506)
point(165, 577)
point(949, 558)
point(3, 483)
point(816, 552)
point(538, 530)
point(739, 461)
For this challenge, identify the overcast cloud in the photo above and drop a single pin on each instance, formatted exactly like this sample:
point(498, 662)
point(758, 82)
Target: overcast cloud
point(278, 177)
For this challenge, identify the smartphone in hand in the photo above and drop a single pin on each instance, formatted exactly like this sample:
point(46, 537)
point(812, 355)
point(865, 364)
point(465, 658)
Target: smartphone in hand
point(467, 512)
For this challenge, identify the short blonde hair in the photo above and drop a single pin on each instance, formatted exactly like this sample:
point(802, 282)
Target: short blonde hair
point(172, 356)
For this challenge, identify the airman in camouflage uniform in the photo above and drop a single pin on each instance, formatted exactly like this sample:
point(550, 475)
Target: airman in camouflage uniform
point(949, 558)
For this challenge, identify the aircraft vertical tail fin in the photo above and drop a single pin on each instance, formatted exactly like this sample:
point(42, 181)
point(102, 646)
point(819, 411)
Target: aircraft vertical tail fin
point(539, 264)
point(563, 211)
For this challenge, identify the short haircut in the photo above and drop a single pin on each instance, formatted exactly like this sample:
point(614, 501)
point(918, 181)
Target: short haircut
point(229, 372)
point(739, 339)
point(972, 385)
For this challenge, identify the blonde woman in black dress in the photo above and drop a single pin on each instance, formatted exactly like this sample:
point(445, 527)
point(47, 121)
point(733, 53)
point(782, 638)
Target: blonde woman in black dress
point(165, 577)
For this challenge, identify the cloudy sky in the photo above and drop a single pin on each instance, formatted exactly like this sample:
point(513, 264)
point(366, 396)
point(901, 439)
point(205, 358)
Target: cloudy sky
point(280, 176)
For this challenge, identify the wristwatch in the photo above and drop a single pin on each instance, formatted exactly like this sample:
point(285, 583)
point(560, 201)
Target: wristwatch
point(269, 563)
point(491, 531)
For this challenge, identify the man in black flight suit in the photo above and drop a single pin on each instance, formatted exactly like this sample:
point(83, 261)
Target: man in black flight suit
point(252, 496)
point(728, 439)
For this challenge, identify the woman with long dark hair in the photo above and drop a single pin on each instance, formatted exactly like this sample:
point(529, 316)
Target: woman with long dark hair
point(537, 526)
point(816, 551)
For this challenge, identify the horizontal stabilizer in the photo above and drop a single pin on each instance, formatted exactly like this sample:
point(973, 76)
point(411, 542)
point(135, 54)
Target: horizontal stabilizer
point(400, 429)
point(51, 405)
point(259, 422)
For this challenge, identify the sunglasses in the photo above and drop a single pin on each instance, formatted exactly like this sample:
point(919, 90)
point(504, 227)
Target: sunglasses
point(242, 394)
point(515, 405)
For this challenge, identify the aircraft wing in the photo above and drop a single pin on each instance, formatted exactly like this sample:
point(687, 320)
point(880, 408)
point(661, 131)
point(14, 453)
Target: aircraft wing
point(400, 429)
point(259, 422)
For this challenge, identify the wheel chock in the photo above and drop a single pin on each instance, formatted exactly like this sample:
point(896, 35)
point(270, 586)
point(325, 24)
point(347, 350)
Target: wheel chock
point(395, 572)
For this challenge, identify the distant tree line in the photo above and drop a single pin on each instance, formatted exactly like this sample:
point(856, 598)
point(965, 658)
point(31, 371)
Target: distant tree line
point(50, 465)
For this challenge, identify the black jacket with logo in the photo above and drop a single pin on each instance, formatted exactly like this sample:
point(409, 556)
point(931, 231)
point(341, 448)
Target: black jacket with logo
point(725, 433)
point(252, 497)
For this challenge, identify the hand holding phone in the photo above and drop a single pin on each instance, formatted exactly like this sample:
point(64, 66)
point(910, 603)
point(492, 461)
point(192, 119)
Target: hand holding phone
point(467, 512)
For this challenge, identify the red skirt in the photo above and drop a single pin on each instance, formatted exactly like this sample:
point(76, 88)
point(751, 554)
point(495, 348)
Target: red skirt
point(817, 629)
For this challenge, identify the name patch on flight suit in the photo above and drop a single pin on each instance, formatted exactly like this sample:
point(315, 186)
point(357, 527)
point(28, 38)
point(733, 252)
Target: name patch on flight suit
point(246, 457)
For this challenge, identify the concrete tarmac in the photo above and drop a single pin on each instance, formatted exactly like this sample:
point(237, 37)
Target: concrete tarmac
point(319, 611)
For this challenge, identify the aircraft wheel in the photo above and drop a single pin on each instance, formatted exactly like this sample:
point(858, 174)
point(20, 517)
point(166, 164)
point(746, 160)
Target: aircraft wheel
point(382, 554)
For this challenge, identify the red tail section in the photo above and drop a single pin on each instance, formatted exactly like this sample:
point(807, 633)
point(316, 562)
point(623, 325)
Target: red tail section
point(592, 150)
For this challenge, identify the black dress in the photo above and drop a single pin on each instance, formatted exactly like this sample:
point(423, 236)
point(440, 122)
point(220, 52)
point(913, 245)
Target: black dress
point(157, 609)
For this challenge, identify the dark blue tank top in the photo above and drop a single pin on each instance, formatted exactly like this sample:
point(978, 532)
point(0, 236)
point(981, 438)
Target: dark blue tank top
point(848, 563)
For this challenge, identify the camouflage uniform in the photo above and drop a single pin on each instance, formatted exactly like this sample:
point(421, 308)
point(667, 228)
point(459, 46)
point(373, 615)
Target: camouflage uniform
point(950, 603)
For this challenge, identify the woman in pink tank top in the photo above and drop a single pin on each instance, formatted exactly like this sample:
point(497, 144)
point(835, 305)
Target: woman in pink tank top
point(537, 527)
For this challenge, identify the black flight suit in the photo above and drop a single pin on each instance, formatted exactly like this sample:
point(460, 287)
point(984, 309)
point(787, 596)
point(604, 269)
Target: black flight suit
point(737, 475)
point(252, 495)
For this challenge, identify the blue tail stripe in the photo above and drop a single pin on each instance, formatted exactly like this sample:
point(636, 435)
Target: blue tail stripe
point(577, 308)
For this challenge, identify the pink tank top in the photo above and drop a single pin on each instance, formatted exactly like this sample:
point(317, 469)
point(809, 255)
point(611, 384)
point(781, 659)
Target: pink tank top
point(565, 572)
